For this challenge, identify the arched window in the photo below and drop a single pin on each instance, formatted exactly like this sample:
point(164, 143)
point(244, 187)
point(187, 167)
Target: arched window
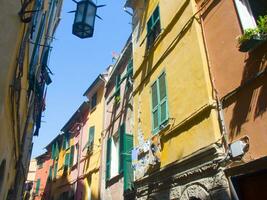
point(2, 173)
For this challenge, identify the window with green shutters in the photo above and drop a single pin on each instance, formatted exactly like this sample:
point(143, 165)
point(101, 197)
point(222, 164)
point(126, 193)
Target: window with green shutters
point(37, 186)
point(159, 103)
point(153, 27)
point(130, 68)
point(94, 101)
point(55, 170)
point(55, 150)
point(50, 173)
point(117, 85)
point(108, 159)
point(71, 156)
point(67, 160)
point(125, 160)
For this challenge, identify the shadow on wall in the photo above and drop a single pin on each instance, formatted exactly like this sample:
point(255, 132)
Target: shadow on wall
point(250, 102)
point(2, 174)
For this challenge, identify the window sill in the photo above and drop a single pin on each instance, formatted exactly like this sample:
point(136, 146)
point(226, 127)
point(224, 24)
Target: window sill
point(164, 127)
point(114, 180)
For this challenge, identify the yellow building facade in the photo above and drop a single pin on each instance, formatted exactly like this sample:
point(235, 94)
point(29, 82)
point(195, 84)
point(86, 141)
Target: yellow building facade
point(176, 127)
point(92, 140)
point(24, 48)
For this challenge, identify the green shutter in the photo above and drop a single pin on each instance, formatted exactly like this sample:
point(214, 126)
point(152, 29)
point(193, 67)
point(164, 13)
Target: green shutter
point(55, 170)
point(121, 146)
point(155, 107)
point(67, 160)
point(50, 173)
point(127, 162)
point(71, 155)
point(160, 112)
point(108, 160)
point(130, 68)
point(64, 143)
point(163, 98)
point(37, 186)
point(53, 151)
point(35, 54)
point(117, 86)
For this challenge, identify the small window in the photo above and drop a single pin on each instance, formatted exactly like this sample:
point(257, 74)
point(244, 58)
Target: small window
point(112, 162)
point(153, 27)
point(40, 164)
point(94, 101)
point(159, 103)
point(249, 12)
point(90, 143)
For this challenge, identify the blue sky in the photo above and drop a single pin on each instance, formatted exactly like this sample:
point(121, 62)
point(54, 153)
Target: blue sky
point(76, 63)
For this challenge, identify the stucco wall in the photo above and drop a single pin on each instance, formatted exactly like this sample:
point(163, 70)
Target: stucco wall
point(245, 111)
point(179, 51)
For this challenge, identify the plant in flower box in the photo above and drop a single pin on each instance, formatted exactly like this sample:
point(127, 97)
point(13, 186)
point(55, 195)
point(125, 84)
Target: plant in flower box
point(253, 37)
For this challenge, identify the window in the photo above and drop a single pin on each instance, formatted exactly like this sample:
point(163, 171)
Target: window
point(159, 103)
point(40, 164)
point(153, 27)
point(55, 170)
point(118, 154)
point(249, 11)
point(66, 141)
point(50, 173)
point(112, 162)
point(37, 186)
point(94, 101)
point(71, 156)
point(55, 151)
point(117, 85)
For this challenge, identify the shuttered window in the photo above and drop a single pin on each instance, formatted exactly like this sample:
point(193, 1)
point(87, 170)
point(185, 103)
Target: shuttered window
point(121, 147)
point(71, 156)
point(55, 170)
point(153, 27)
point(108, 160)
point(37, 186)
point(67, 160)
point(93, 101)
point(50, 173)
point(159, 103)
point(125, 162)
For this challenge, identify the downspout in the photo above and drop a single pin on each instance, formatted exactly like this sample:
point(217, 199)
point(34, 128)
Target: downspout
point(214, 90)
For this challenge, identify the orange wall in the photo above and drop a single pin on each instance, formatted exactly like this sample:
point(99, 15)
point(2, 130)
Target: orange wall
point(245, 112)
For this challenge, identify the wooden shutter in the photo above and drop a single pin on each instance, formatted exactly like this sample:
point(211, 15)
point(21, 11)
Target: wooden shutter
point(155, 107)
point(55, 170)
point(108, 160)
point(50, 173)
point(127, 161)
point(163, 98)
point(67, 159)
point(71, 156)
point(37, 186)
point(121, 146)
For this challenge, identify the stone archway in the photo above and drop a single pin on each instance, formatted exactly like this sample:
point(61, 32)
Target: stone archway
point(195, 192)
point(2, 173)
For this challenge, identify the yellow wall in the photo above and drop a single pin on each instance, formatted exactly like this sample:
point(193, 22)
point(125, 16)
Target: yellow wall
point(11, 134)
point(92, 163)
point(182, 57)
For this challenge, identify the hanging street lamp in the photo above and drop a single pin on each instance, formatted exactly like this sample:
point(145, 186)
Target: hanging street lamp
point(84, 20)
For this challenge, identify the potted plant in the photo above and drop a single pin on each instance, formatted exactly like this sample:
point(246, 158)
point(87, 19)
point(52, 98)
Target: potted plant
point(253, 37)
